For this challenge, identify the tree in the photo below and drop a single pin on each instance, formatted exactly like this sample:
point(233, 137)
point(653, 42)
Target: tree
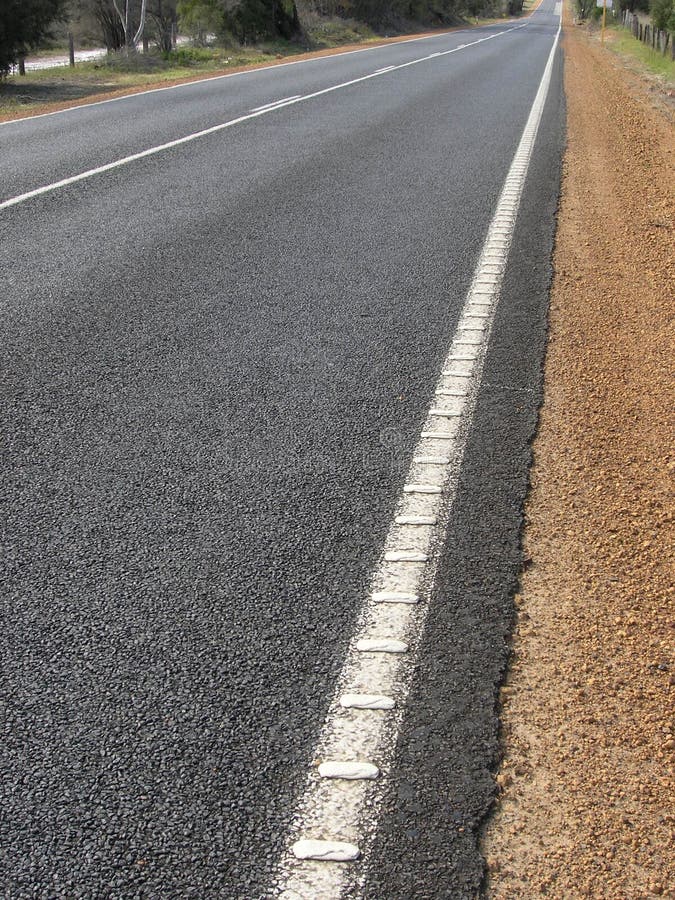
point(23, 25)
point(254, 20)
point(162, 15)
point(122, 22)
point(200, 18)
point(662, 12)
point(124, 10)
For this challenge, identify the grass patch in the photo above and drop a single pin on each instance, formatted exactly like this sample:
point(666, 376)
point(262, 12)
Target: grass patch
point(622, 42)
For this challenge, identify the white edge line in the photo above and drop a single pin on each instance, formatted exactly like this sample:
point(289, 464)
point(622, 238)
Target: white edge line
point(332, 810)
point(214, 129)
point(251, 71)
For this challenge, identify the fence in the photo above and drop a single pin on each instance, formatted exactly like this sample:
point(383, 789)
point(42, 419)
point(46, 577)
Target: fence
point(654, 37)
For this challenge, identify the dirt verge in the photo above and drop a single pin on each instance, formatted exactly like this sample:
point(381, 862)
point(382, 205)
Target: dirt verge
point(586, 808)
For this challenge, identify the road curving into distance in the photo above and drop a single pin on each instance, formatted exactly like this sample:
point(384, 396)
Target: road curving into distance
point(227, 306)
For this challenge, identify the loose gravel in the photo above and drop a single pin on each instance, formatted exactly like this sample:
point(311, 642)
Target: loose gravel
point(586, 808)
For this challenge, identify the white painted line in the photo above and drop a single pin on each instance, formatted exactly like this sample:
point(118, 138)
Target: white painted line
point(336, 851)
point(387, 69)
point(444, 413)
point(440, 435)
point(405, 556)
point(275, 104)
point(214, 129)
point(416, 520)
point(366, 701)
point(349, 770)
point(381, 645)
point(348, 811)
point(394, 597)
point(432, 460)
point(422, 489)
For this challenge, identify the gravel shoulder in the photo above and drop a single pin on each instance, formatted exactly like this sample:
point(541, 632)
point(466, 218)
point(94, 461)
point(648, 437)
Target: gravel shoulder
point(586, 805)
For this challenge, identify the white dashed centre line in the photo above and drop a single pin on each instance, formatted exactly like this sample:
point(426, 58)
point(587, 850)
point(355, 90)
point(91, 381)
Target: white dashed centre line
point(337, 816)
point(276, 104)
point(215, 129)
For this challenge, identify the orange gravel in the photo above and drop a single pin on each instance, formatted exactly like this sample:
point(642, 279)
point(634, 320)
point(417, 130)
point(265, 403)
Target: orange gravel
point(587, 800)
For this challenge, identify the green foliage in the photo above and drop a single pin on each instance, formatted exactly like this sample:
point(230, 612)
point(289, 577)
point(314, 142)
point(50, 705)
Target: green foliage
point(200, 18)
point(585, 8)
point(663, 14)
point(23, 24)
point(252, 21)
point(334, 32)
point(188, 56)
point(653, 60)
point(398, 15)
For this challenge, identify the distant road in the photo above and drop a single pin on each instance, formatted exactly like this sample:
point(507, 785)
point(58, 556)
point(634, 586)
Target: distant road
point(51, 62)
point(226, 310)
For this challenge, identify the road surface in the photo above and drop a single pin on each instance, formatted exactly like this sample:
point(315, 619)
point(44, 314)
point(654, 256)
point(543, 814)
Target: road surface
point(218, 356)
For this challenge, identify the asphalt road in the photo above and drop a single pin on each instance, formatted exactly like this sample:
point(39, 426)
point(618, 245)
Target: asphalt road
point(216, 362)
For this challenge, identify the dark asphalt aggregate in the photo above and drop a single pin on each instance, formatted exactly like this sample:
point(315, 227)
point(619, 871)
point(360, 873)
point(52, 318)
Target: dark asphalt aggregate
point(215, 365)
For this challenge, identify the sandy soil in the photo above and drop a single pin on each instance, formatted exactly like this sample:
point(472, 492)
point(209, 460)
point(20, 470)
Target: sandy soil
point(587, 803)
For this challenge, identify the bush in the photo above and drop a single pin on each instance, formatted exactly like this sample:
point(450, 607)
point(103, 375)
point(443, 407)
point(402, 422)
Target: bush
point(23, 25)
point(333, 32)
point(188, 56)
point(663, 14)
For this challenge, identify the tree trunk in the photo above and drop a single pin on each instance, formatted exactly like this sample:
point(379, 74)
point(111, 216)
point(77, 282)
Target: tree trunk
point(22, 63)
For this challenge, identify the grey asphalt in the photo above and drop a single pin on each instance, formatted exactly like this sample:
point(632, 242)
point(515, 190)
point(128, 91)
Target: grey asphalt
point(216, 362)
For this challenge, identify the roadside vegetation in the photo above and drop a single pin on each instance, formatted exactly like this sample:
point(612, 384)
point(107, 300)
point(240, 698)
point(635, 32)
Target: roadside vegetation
point(622, 42)
point(162, 41)
point(651, 19)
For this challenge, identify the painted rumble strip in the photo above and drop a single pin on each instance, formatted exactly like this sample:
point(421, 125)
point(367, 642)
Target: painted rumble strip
point(355, 749)
point(254, 114)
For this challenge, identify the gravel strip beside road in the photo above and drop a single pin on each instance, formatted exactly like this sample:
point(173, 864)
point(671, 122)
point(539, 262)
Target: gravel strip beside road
point(587, 802)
